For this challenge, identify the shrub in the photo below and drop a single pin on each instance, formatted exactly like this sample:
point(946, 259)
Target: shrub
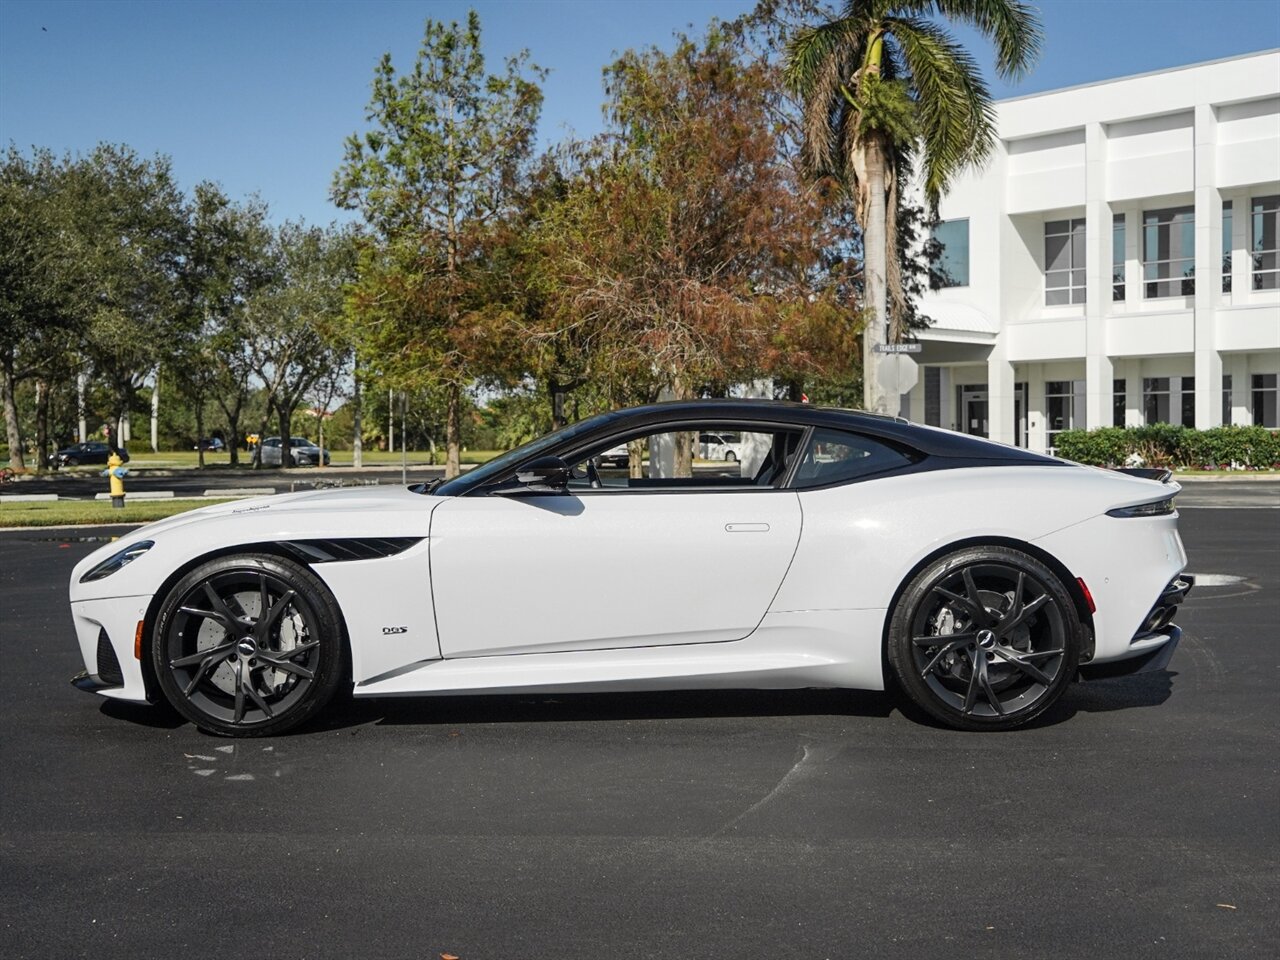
point(1173, 445)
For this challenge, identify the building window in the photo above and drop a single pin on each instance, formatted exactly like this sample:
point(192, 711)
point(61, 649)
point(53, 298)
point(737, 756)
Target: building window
point(1064, 408)
point(1169, 400)
point(933, 396)
point(1118, 403)
point(953, 263)
point(1264, 401)
point(1117, 257)
point(1265, 244)
point(1226, 399)
point(1169, 252)
point(1155, 399)
point(1063, 262)
point(1226, 246)
point(1188, 387)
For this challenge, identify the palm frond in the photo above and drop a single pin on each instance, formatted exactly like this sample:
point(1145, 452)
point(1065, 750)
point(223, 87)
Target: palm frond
point(1014, 27)
point(820, 65)
point(956, 117)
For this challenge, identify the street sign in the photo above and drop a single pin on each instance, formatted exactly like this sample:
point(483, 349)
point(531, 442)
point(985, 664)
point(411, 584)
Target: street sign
point(897, 347)
point(898, 373)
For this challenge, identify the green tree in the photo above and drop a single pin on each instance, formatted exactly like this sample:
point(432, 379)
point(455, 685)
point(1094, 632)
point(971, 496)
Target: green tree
point(131, 223)
point(431, 177)
point(289, 321)
point(885, 87)
point(229, 262)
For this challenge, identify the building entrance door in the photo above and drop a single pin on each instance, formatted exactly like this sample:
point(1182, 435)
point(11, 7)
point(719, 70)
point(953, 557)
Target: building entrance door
point(973, 410)
point(1020, 415)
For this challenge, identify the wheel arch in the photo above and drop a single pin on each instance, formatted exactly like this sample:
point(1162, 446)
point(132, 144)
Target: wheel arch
point(1068, 580)
point(274, 549)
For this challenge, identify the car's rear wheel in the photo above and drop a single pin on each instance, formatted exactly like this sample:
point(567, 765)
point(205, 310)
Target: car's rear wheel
point(71, 462)
point(249, 645)
point(986, 638)
point(730, 457)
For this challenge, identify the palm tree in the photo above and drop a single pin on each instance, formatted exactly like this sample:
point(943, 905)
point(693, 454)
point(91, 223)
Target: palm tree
point(885, 89)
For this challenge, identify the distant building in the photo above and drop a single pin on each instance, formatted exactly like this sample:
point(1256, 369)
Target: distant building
point(1115, 263)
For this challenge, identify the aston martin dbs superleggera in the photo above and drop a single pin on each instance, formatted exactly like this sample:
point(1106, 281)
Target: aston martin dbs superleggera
point(840, 549)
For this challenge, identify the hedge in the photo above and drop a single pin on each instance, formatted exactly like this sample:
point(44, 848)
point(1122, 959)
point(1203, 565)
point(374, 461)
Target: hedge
point(1172, 445)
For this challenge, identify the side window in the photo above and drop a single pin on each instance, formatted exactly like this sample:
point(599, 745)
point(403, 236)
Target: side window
point(834, 456)
point(694, 457)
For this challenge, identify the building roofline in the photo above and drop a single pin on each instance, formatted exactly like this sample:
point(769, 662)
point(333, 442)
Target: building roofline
point(1139, 76)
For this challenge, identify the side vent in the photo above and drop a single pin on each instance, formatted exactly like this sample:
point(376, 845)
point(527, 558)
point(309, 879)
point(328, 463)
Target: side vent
point(350, 548)
point(108, 666)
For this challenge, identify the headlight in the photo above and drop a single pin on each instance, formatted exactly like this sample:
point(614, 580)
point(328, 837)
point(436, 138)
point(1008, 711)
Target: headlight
point(1156, 508)
point(118, 560)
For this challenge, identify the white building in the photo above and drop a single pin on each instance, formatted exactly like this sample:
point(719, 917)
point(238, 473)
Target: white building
point(1115, 263)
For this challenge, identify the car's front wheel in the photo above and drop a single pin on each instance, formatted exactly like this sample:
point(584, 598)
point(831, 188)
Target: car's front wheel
point(985, 638)
point(730, 457)
point(249, 645)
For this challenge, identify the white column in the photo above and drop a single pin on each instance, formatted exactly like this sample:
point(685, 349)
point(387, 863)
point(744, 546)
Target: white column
point(1097, 272)
point(1000, 396)
point(1132, 259)
point(1241, 399)
point(1241, 261)
point(1208, 362)
point(1037, 437)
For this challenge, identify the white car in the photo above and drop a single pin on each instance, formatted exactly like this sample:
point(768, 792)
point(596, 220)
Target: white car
point(984, 578)
point(717, 446)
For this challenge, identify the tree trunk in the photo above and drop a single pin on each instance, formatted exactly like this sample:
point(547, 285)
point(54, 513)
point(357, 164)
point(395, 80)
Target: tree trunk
point(557, 391)
point(233, 440)
point(357, 441)
point(682, 465)
point(200, 433)
point(453, 431)
point(42, 424)
point(155, 415)
point(874, 280)
point(8, 387)
point(285, 419)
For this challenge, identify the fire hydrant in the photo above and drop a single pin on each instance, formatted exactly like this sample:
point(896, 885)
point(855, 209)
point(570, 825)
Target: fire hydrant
point(116, 471)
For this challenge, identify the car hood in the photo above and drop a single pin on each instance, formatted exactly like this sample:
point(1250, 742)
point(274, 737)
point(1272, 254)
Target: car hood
point(390, 511)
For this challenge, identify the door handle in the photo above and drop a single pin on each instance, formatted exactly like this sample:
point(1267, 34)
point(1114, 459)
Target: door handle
point(746, 528)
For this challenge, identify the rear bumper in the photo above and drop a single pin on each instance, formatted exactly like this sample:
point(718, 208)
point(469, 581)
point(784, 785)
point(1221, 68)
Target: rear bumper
point(1153, 656)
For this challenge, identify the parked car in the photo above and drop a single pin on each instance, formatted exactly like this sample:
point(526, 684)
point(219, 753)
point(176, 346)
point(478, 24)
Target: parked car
point(721, 446)
point(92, 451)
point(615, 457)
point(862, 552)
point(210, 443)
point(302, 453)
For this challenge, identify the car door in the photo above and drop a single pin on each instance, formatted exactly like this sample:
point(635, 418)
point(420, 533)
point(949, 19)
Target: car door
point(600, 569)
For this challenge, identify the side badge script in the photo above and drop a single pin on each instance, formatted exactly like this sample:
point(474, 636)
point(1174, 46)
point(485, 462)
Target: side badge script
point(388, 630)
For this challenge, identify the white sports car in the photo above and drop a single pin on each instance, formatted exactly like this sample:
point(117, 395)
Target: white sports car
point(845, 549)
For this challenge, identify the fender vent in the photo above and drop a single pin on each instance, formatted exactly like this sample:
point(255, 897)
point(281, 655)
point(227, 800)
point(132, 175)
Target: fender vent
point(350, 548)
point(108, 666)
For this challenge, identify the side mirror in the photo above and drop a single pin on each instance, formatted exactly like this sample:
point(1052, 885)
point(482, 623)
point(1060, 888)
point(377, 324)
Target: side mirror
point(544, 475)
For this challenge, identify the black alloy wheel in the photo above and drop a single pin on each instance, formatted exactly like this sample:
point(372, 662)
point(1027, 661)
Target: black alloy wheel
point(985, 639)
point(249, 646)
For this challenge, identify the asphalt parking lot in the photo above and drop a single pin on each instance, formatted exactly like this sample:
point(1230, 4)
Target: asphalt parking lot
point(1141, 818)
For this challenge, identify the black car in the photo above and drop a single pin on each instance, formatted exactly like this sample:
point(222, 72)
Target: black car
point(78, 453)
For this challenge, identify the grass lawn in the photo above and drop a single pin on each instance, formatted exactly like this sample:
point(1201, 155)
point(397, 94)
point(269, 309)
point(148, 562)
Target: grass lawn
point(69, 512)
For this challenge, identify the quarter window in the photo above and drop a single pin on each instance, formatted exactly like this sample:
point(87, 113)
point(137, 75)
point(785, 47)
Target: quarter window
point(834, 456)
point(1265, 245)
point(1169, 252)
point(1064, 262)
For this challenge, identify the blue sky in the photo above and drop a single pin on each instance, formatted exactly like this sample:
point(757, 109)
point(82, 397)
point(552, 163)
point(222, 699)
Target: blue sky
point(259, 95)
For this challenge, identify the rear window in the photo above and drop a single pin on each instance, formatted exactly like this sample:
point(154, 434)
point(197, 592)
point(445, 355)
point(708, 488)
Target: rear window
point(834, 456)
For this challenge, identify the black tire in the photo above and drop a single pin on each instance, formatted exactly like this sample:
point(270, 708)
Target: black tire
point(71, 462)
point(234, 672)
point(730, 457)
point(986, 638)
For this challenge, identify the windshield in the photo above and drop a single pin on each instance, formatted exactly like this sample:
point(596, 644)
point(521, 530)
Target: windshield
point(498, 466)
